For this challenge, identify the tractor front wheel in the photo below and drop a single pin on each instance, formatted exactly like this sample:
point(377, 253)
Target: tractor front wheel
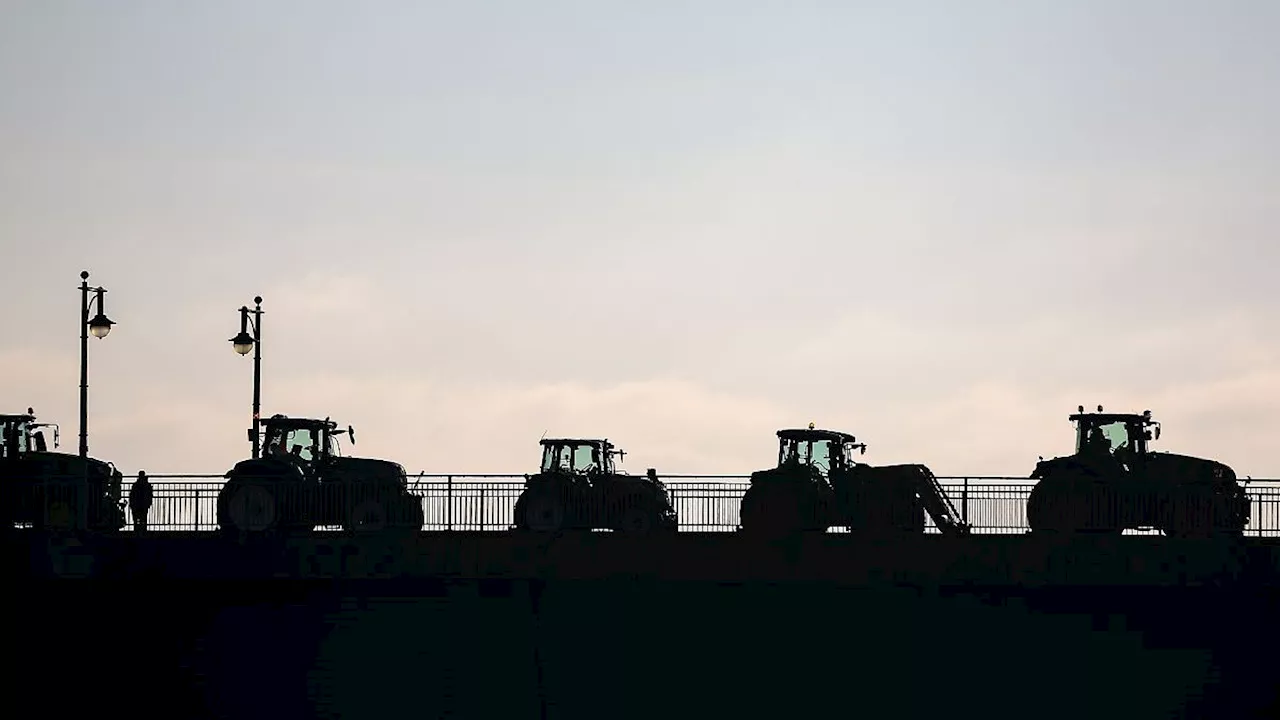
point(640, 517)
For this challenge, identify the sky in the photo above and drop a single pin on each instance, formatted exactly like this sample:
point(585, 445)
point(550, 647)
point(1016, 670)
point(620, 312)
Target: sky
point(938, 226)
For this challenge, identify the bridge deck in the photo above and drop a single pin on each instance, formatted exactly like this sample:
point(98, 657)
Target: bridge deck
point(986, 560)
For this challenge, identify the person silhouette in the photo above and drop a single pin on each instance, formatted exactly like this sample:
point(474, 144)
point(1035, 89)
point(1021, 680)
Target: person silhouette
point(1098, 443)
point(140, 497)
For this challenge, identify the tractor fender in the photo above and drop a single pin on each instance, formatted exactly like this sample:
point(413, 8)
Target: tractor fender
point(1069, 465)
point(267, 469)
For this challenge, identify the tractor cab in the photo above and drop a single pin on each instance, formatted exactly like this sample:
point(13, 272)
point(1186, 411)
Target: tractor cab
point(20, 434)
point(303, 440)
point(45, 488)
point(579, 487)
point(578, 456)
point(1116, 434)
point(826, 451)
point(1114, 482)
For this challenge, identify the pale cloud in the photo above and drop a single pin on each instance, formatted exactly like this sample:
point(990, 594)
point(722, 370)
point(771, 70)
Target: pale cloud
point(896, 383)
point(675, 426)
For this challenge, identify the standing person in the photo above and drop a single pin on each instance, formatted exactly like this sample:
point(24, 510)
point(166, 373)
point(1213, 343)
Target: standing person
point(140, 497)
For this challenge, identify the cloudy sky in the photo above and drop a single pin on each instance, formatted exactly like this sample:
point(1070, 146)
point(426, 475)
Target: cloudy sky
point(940, 226)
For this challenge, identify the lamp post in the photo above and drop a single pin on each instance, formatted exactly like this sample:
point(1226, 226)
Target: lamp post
point(243, 343)
point(99, 326)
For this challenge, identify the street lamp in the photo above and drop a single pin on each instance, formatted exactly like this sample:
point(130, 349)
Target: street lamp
point(100, 325)
point(242, 344)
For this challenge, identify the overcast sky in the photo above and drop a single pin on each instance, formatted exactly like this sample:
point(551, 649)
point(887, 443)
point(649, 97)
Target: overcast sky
point(939, 226)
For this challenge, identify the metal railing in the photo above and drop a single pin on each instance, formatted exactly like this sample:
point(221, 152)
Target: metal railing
point(703, 503)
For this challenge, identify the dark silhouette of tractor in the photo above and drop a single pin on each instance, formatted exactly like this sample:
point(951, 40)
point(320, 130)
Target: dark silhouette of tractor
point(45, 489)
point(301, 481)
point(579, 488)
point(1114, 482)
point(817, 485)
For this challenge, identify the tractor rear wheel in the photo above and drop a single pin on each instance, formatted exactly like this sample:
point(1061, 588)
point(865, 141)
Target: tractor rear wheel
point(1073, 504)
point(247, 508)
point(776, 511)
point(640, 517)
point(540, 510)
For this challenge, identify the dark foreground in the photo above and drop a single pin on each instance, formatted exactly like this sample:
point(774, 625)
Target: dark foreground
point(599, 627)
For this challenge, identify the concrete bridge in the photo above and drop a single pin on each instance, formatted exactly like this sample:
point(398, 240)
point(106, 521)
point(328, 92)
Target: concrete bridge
point(492, 623)
point(598, 625)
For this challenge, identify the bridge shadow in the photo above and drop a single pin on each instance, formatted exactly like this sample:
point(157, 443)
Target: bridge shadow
point(622, 643)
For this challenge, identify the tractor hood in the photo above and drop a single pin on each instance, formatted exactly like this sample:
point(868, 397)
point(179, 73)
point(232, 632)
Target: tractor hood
point(370, 468)
point(1185, 468)
point(1175, 467)
point(57, 463)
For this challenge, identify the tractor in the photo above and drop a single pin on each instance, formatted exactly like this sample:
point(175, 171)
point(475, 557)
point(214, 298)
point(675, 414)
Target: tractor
point(579, 488)
point(44, 489)
point(301, 480)
point(817, 485)
point(1114, 482)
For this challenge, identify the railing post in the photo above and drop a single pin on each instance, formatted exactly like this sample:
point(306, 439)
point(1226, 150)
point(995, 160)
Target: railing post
point(482, 509)
point(448, 504)
point(964, 502)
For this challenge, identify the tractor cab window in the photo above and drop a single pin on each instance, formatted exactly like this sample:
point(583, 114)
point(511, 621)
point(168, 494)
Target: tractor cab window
point(13, 438)
point(332, 447)
point(557, 458)
point(300, 443)
point(820, 455)
point(586, 458)
point(842, 455)
point(806, 452)
point(788, 452)
point(1103, 437)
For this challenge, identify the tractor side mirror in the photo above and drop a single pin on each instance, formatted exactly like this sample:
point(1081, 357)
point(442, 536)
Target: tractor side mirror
point(1157, 432)
point(249, 432)
point(351, 433)
point(862, 450)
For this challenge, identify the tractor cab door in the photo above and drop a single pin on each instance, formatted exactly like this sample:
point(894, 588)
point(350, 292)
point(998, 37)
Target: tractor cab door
point(299, 446)
point(820, 456)
point(1104, 447)
point(557, 459)
point(550, 459)
point(587, 460)
point(589, 465)
point(807, 457)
